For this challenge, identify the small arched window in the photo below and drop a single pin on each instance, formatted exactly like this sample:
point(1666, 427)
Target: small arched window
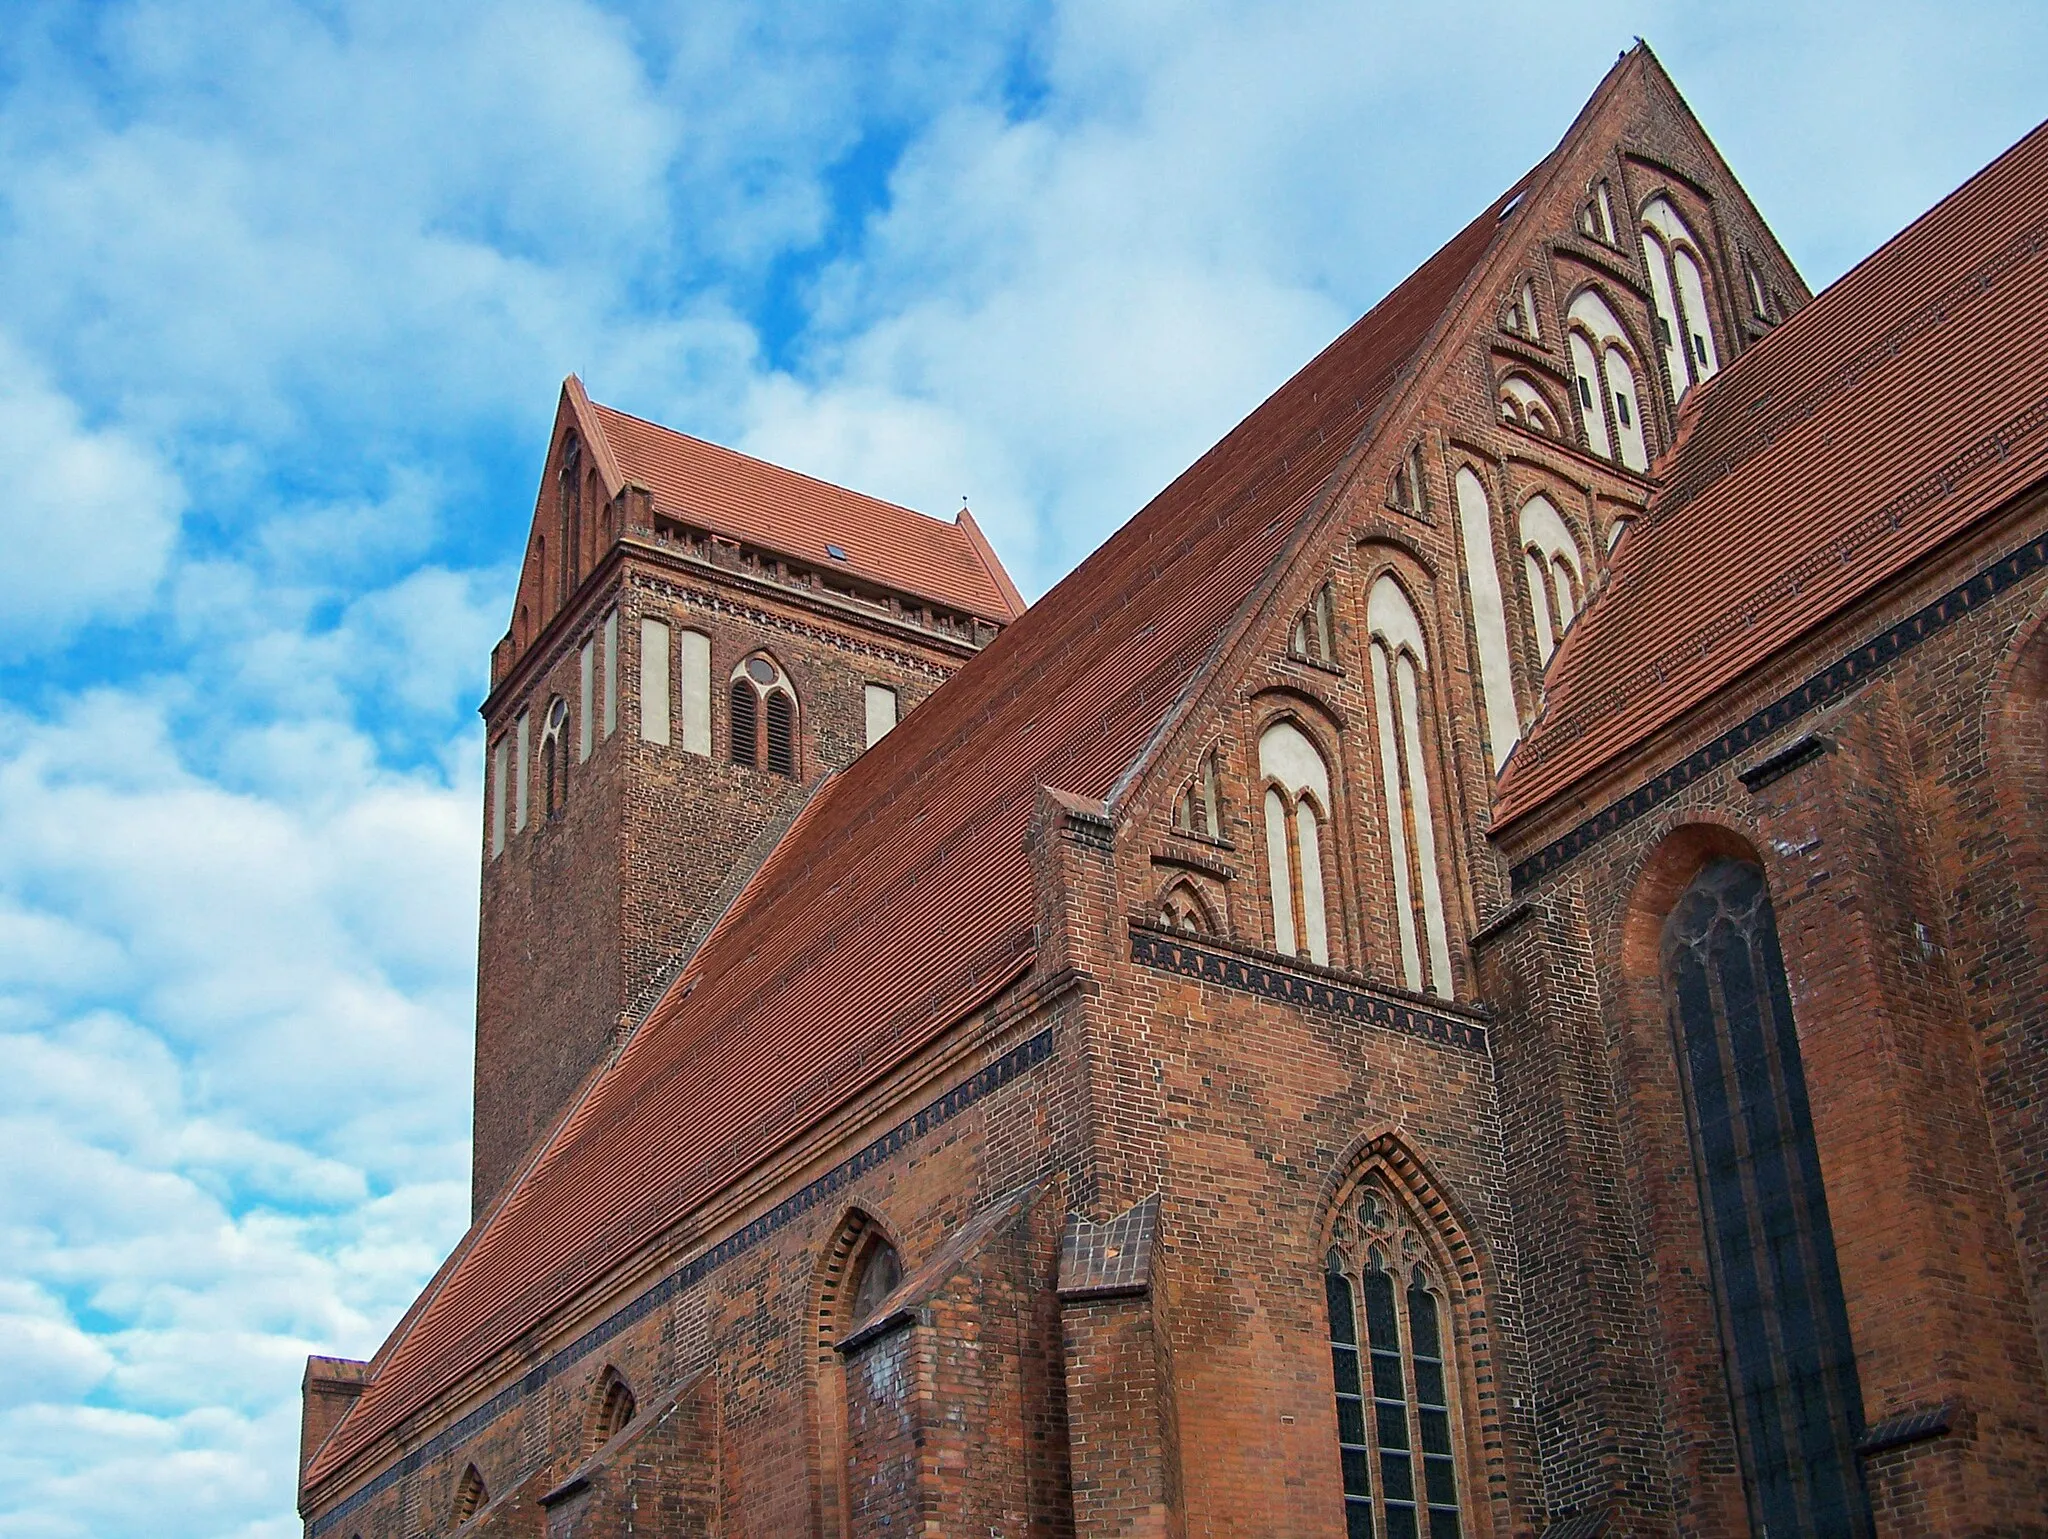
point(1297, 808)
point(569, 509)
point(1605, 382)
point(554, 757)
point(1523, 405)
point(613, 1410)
point(1313, 638)
point(878, 1275)
point(1409, 488)
point(1182, 908)
point(763, 716)
point(1392, 1359)
point(1400, 676)
point(1556, 586)
point(470, 1495)
point(1678, 288)
point(1520, 316)
point(1199, 809)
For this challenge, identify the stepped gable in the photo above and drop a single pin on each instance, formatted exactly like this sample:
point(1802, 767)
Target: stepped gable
point(734, 494)
point(1898, 407)
point(903, 899)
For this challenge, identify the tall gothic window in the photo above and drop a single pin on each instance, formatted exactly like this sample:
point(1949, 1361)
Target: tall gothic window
point(1489, 614)
point(1400, 675)
point(1297, 808)
point(763, 716)
point(1784, 1330)
point(1391, 1357)
point(569, 497)
point(1605, 382)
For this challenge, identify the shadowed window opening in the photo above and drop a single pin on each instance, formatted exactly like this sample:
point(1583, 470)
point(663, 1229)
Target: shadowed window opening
point(470, 1495)
point(615, 1409)
point(1784, 1329)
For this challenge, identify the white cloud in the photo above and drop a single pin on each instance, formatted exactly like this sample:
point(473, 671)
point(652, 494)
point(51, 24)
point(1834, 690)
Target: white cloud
point(90, 514)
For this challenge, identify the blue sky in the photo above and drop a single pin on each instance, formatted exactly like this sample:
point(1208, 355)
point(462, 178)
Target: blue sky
point(289, 293)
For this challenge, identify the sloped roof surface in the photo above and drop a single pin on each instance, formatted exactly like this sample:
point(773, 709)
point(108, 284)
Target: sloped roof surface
point(1896, 408)
point(735, 494)
point(903, 898)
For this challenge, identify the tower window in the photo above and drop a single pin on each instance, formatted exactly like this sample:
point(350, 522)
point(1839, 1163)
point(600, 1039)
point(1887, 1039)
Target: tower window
point(522, 741)
point(499, 788)
point(695, 650)
point(586, 698)
point(763, 716)
point(554, 758)
point(654, 688)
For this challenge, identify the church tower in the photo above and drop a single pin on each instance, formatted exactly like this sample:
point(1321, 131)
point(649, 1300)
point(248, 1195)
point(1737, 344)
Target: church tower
point(697, 640)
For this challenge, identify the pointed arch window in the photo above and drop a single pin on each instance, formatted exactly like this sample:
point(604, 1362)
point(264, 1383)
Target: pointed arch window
point(613, 1409)
point(1400, 676)
point(1678, 289)
point(1392, 1360)
point(471, 1495)
point(1199, 808)
point(763, 716)
point(1297, 810)
point(878, 1274)
point(1182, 908)
point(1557, 586)
point(1610, 409)
point(1522, 405)
point(1313, 638)
point(1489, 615)
point(1784, 1326)
point(554, 758)
point(1409, 489)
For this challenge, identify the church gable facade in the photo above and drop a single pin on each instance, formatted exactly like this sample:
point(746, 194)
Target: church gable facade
point(1184, 1077)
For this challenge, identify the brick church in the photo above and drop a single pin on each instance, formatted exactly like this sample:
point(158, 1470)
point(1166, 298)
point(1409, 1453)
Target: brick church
point(1476, 971)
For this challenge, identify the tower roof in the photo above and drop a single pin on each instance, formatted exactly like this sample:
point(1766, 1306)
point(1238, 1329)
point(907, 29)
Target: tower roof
point(725, 492)
point(1891, 412)
point(903, 898)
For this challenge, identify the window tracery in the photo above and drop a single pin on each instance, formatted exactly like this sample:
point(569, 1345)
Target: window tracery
point(1393, 1363)
point(554, 758)
point(763, 716)
point(1400, 672)
point(1297, 809)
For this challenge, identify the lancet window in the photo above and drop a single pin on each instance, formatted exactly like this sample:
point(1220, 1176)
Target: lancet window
point(1198, 809)
point(1393, 1360)
point(1400, 676)
point(554, 757)
point(1409, 489)
point(1604, 380)
point(1182, 908)
point(1313, 637)
point(470, 1495)
point(1550, 556)
point(612, 1410)
point(1784, 1327)
point(569, 509)
point(1685, 333)
point(1489, 614)
point(1297, 811)
point(763, 716)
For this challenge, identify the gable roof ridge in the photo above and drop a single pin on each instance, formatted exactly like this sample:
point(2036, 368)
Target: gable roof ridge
point(985, 553)
point(591, 426)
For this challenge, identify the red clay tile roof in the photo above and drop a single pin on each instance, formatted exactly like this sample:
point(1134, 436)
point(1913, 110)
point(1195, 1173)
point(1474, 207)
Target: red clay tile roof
point(734, 494)
point(903, 898)
point(1898, 407)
